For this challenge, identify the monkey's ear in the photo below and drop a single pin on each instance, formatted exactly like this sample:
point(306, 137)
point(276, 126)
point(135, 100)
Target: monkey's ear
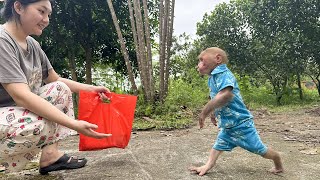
point(219, 58)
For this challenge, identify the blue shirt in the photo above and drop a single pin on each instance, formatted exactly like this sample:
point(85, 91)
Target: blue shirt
point(235, 111)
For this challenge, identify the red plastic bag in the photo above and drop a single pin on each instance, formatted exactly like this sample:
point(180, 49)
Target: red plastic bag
point(115, 117)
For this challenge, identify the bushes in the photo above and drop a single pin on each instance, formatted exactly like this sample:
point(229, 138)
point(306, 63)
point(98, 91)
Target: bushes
point(177, 110)
point(257, 97)
point(188, 94)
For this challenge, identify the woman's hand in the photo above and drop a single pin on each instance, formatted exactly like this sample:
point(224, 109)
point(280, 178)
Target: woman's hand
point(87, 129)
point(101, 90)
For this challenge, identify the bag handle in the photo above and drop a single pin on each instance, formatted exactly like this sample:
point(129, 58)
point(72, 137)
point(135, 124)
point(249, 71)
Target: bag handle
point(108, 95)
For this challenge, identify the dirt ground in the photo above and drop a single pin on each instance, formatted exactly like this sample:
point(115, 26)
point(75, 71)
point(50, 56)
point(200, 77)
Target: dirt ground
point(166, 155)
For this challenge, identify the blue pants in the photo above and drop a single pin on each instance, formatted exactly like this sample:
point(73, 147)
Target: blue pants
point(244, 135)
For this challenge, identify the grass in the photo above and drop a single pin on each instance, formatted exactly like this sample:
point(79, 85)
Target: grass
point(261, 98)
point(167, 122)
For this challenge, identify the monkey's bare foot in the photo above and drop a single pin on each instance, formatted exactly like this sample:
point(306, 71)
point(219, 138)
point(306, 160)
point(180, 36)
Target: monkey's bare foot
point(202, 170)
point(276, 170)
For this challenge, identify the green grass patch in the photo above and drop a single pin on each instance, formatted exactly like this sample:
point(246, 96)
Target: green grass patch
point(263, 98)
point(166, 122)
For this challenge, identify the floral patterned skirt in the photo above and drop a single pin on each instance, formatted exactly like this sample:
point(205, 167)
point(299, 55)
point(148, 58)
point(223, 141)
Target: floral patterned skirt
point(23, 133)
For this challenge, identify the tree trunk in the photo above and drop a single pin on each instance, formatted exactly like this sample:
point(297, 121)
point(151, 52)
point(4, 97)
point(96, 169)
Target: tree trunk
point(278, 99)
point(163, 19)
point(299, 86)
point(279, 87)
point(88, 54)
point(148, 43)
point(318, 84)
point(123, 48)
point(169, 43)
point(316, 80)
point(135, 36)
point(166, 29)
point(72, 67)
point(141, 44)
point(142, 41)
point(318, 87)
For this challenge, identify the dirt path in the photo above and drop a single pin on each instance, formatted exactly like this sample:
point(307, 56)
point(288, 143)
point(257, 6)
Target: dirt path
point(165, 155)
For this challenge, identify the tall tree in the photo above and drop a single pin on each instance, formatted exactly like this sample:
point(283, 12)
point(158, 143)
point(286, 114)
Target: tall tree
point(265, 38)
point(140, 27)
point(141, 45)
point(166, 17)
point(123, 47)
point(148, 47)
point(84, 34)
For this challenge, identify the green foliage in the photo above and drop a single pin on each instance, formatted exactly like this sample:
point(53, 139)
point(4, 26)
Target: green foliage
point(244, 82)
point(105, 75)
point(186, 98)
point(262, 97)
point(148, 110)
point(276, 40)
point(84, 30)
point(186, 94)
point(179, 108)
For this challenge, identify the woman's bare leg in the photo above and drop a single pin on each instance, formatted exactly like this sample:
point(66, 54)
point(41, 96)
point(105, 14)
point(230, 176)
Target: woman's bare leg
point(49, 155)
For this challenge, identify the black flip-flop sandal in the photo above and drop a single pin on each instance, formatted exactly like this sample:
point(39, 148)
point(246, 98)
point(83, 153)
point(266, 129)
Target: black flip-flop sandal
point(2, 169)
point(65, 162)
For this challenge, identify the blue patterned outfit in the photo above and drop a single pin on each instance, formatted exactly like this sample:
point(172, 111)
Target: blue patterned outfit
point(234, 119)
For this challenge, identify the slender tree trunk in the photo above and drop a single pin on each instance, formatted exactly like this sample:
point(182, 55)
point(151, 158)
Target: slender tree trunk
point(123, 48)
point(318, 83)
point(141, 43)
point(299, 86)
point(72, 64)
point(279, 94)
point(279, 99)
point(279, 87)
point(318, 86)
point(163, 44)
point(72, 67)
point(88, 54)
point(135, 36)
point(166, 29)
point(169, 43)
point(148, 43)
point(316, 80)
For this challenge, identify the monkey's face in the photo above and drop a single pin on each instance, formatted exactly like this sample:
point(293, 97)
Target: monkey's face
point(207, 63)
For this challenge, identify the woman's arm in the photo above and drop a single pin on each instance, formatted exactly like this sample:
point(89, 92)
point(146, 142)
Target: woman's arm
point(73, 85)
point(76, 86)
point(23, 97)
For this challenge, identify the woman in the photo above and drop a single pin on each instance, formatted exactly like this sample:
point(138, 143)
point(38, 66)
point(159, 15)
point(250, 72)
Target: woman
point(33, 117)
